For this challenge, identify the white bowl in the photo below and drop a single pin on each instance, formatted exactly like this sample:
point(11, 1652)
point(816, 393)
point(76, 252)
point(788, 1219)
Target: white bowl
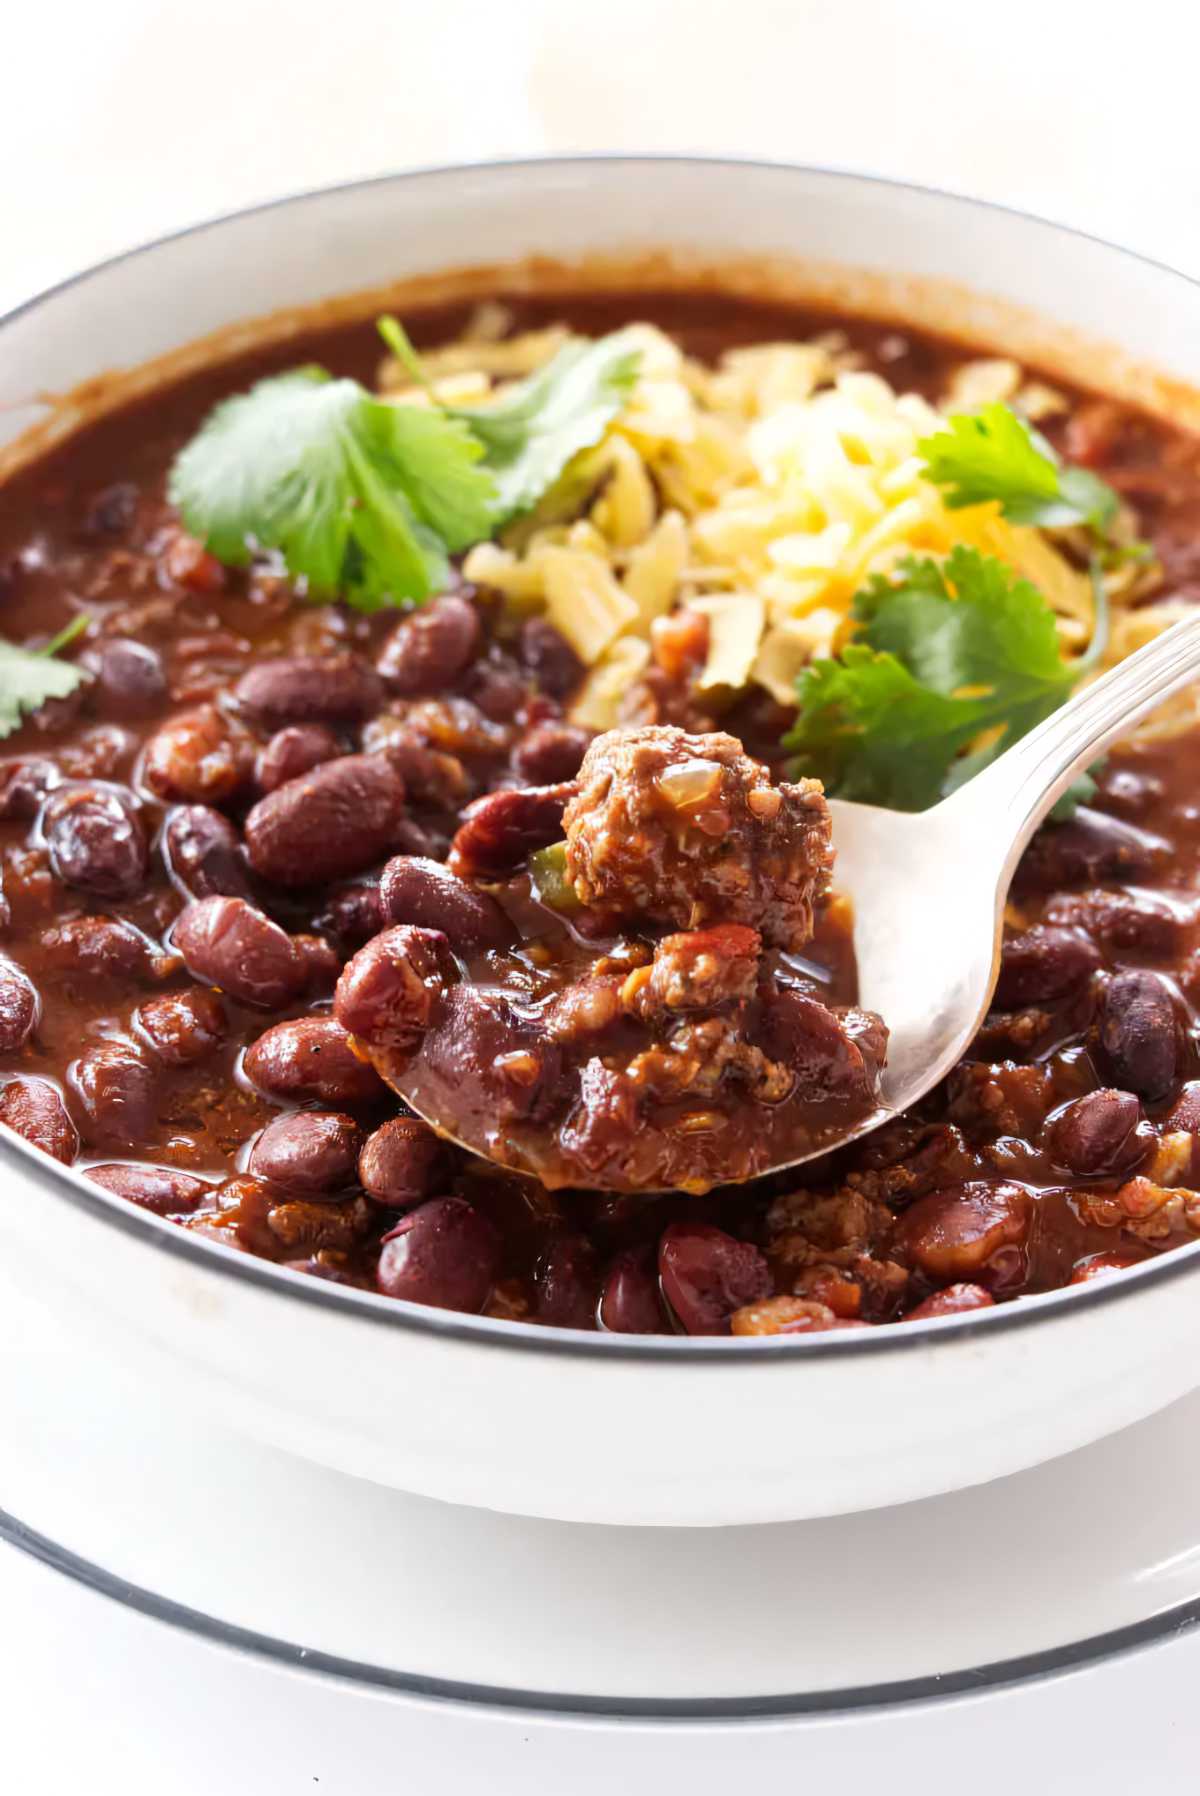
point(557, 1422)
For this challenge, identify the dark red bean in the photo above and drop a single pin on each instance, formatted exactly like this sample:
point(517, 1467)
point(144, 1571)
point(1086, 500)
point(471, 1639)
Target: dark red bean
point(387, 993)
point(19, 1006)
point(550, 753)
point(199, 757)
point(230, 944)
point(1091, 848)
point(335, 820)
point(203, 854)
point(431, 777)
point(24, 786)
point(338, 688)
point(707, 1274)
point(500, 829)
point(1185, 1112)
point(550, 658)
point(421, 891)
point(130, 680)
point(311, 1061)
point(1139, 1034)
point(566, 1284)
point(308, 1151)
point(629, 1301)
point(1128, 793)
point(293, 752)
point(399, 1162)
point(183, 1028)
point(1126, 921)
point(829, 1052)
point(1044, 963)
point(427, 650)
point(973, 1231)
point(495, 1059)
point(498, 687)
point(95, 840)
point(105, 948)
point(323, 962)
point(110, 512)
point(117, 1092)
point(158, 1188)
point(33, 1108)
point(955, 1300)
point(445, 1253)
point(353, 913)
point(1095, 1133)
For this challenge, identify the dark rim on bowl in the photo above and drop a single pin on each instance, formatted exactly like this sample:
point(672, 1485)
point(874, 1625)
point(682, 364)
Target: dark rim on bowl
point(65, 1182)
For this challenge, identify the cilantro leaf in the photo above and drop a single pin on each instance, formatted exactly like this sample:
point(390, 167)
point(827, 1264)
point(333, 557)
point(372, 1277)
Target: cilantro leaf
point(362, 499)
point(993, 454)
point(947, 654)
point(29, 677)
point(531, 434)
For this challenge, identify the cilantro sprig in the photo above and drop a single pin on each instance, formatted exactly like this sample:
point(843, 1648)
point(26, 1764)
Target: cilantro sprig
point(949, 657)
point(30, 677)
point(993, 454)
point(366, 501)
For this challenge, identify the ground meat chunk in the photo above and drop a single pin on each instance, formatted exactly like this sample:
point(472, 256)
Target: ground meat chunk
point(688, 829)
point(698, 969)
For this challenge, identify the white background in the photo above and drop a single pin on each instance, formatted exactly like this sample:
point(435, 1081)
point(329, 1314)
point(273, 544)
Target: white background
point(123, 118)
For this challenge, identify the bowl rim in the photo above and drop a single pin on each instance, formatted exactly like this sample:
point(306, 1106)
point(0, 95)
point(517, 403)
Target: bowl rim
point(202, 1252)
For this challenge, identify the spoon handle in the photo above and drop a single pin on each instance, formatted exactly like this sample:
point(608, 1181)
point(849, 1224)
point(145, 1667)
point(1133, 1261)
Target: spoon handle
point(1017, 790)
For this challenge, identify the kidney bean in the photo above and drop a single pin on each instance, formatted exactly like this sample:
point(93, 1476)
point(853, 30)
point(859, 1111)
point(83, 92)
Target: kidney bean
point(228, 943)
point(97, 753)
point(456, 726)
point(334, 821)
point(430, 776)
point(1044, 963)
point(566, 1284)
point(629, 1302)
point(549, 657)
point(1101, 1265)
point(105, 948)
point(500, 829)
point(293, 752)
point(954, 1300)
point(323, 962)
point(386, 994)
point(1185, 1112)
point(1125, 921)
point(183, 1028)
point(416, 890)
point(24, 786)
point(498, 687)
point(960, 1232)
point(1090, 848)
point(111, 511)
point(130, 680)
point(310, 689)
point(399, 1161)
point(353, 913)
point(198, 757)
point(158, 1188)
point(707, 1274)
point(311, 1060)
point(95, 840)
point(321, 1227)
point(550, 753)
point(827, 1052)
point(1138, 1033)
point(19, 1006)
point(117, 1093)
point(1095, 1132)
point(309, 1151)
point(428, 649)
point(33, 1108)
point(444, 1253)
point(203, 854)
point(479, 1045)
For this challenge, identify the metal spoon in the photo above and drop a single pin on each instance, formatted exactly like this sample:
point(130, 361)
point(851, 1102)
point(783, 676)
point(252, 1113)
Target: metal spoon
point(929, 888)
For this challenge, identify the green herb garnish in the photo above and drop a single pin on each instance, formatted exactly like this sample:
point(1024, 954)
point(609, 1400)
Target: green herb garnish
point(366, 501)
point(993, 454)
point(30, 677)
point(947, 654)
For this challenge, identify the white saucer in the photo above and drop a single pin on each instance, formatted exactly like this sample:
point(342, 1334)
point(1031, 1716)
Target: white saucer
point(1075, 1561)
